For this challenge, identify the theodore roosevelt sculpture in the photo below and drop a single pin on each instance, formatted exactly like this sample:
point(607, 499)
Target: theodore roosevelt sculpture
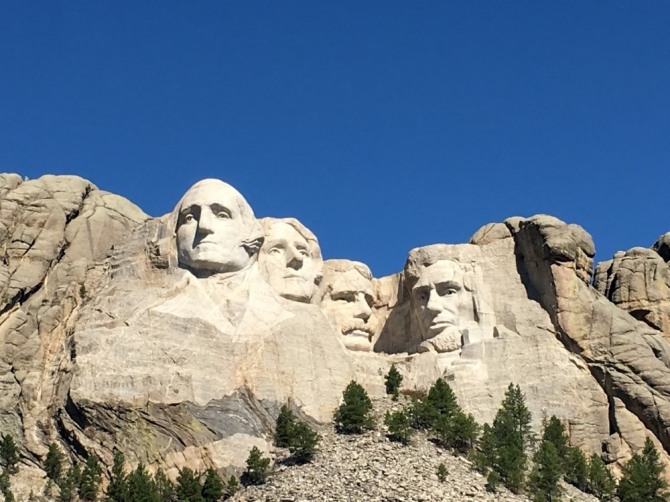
point(216, 231)
point(290, 259)
point(346, 298)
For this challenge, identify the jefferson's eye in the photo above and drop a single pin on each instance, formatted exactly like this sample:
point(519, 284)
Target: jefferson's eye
point(303, 252)
point(275, 251)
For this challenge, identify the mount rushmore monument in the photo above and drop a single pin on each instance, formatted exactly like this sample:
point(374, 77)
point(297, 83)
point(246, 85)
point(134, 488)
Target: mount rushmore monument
point(177, 339)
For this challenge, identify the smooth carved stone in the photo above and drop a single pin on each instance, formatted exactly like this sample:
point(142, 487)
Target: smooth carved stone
point(290, 259)
point(346, 297)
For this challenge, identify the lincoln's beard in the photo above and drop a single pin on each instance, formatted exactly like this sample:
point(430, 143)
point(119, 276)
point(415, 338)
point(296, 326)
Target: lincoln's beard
point(449, 340)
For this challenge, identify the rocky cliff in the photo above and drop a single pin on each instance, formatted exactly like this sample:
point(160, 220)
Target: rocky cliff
point(177, 339)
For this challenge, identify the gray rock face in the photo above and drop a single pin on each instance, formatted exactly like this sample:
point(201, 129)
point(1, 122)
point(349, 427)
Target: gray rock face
point(168, 339)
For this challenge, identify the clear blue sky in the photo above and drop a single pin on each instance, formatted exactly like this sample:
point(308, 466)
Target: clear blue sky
point(380, 125)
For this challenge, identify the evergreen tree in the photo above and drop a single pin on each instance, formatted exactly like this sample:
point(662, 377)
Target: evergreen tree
point(355, 414)
point(458, 431)
point(422, 414)
point(90, 479)
point(165, 489)
point(392, 380)
point(9, 455)
point(511, 436)
point(213, 487)
point(576, 469)
point(399, 426)
point(232, 487)
point(546, 473)
point(442, 473)
point(442, 399)
point(188, 486)
point(303, 442)
point(117, 490)
point(140, 486)
point(641, 477)
point(554, 431)
point(5, 486)
point(258, 468)
point(68, 484)
point(53, 463)
point(483, 458)
point(284, 427)
point(600, 480)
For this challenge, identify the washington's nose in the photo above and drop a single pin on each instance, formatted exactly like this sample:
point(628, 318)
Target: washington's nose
point(294, 258)
point(363, 309)
point(205, 223)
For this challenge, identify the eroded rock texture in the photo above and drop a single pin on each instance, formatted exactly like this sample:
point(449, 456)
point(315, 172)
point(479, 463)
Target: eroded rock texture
point(170, 339)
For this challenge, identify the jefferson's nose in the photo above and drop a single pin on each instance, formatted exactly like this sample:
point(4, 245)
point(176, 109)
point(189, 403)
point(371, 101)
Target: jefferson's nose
point(294, 258)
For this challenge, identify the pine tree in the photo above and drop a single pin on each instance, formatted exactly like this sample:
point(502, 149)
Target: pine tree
point(641, 477)
point(53, 463)
point(117, 490)
point(140, 486)
point(68, 484)
point(165, 489)
point(392, 380)
point(399, 426)
point(9, 455)
point(5, 486)
point(442, 473)
point(554, 431)
point(284, 427)
point(510, 438)
point(258, 468)
point(546, 473)
point(576, 469)
point(600, 480)
point(422, 414)
point(213, 487)
point(483, 457)
point(90, 479)
point(355, 414)
point(232, 487)
point(442, 399)
point(303, 442)
point(188, 486)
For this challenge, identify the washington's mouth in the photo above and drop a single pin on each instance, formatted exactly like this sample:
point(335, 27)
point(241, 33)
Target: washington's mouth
point(358, 333)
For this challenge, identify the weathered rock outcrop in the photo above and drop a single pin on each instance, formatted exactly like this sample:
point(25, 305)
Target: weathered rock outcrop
point(168, 338)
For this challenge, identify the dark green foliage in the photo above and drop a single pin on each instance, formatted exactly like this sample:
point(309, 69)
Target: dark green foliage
point(118, 484)
point(5, 487)
point(91, 476)
point(458, 431)
point(9, 455)
point(484, 456)
point(641, 477)
point(600, 480)
point(258, 468)
point(284, 427)
point(139, 487)
point(189, 488)
point(399, 426)
point(53, 463)
point(442, 473)
point(303, 442)
point(442, 398)
point(68, 484)
point(392, 380)
point(511, 437)
point(165, 489)
point(492, 482)
point(355, 414)
point(212, 487)
point(422, 414)
point(232, 487)
point(546, 473)
point(554, 432)
point(575, 468)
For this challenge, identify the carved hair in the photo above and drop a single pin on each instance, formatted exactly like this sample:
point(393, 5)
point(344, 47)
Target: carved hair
point(333, 268)
point(312, 243)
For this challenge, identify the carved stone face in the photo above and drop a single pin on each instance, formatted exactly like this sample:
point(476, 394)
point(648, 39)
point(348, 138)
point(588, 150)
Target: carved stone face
point(436, 298)
point(213, 222)
point(347, 304)
point(287, 263)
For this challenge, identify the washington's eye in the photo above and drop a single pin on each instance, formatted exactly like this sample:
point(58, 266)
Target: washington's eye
point(189, 218)
point(223, 215)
